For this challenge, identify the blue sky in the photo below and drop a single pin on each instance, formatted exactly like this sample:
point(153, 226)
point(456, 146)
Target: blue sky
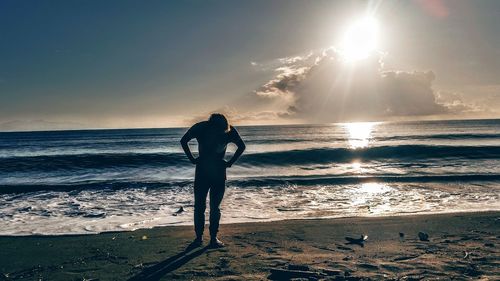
point(168, 63)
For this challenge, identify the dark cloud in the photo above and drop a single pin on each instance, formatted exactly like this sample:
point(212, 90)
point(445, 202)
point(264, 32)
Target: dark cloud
point(409, 94)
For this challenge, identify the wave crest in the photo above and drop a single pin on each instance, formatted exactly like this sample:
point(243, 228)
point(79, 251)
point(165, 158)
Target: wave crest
point(275, 158)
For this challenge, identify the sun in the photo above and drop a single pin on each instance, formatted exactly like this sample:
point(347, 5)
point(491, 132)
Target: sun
point(360, 39)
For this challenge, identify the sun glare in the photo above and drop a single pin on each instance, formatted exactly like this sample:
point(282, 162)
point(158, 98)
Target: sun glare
point(360, 39)
point(359, 133)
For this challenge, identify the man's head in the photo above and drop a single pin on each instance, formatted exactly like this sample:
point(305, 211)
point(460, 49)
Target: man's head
point(219, 122)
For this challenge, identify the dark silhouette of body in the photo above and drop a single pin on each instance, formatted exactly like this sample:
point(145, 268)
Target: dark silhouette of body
point(212, 136)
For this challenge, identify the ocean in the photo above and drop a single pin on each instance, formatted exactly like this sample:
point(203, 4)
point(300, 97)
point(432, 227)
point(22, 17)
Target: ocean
point(91, 181)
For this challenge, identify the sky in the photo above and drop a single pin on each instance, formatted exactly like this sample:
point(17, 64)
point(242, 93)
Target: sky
point(120, 64)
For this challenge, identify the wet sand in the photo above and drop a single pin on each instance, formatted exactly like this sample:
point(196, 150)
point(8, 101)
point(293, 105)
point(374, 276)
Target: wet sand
point(461, 246)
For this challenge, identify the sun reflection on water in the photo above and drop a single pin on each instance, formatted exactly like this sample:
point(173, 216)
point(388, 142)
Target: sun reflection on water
point(356, 166)
point(373, 196)
point(374, 188)
point(359, 133)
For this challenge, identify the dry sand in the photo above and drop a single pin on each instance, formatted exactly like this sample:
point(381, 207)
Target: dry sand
point(461, 246)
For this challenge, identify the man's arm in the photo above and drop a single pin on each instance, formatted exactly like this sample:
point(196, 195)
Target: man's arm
point(184, 143)
point(236, 139)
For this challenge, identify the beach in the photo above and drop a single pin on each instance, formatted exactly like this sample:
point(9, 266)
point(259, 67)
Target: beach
point(461, 246)
point(106, 204)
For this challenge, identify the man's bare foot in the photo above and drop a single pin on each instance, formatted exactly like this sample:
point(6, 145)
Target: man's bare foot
point(216, 243)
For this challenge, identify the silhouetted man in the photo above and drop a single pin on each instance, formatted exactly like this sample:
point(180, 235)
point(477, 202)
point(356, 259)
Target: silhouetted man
point(212, 136)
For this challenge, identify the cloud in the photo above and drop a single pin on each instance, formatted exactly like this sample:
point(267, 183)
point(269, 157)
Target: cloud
point(321, 87)
point(455, 103)
point(409, 94)
point(283, 83)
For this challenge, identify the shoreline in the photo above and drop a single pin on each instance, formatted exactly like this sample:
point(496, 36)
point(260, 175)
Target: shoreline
point(461, 245)
point(257, 221)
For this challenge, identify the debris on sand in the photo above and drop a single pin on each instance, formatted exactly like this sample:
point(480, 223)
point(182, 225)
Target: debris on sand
point(358, 241)
point(180, 211)
point(467, 255)
point(347, 258)
point(423, 236)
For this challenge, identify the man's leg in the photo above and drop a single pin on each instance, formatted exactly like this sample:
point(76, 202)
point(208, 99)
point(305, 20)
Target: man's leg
point(200, 204)
point(216, 194)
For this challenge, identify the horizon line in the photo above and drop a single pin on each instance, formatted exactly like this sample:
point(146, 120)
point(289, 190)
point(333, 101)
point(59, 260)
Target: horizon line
point(255, 125)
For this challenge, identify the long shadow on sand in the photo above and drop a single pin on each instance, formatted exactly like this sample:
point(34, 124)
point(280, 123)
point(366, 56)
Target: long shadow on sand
point(157, 271)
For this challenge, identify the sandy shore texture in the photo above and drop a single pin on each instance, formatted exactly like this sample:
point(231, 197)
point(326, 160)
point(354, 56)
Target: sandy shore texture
point(460, 246)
